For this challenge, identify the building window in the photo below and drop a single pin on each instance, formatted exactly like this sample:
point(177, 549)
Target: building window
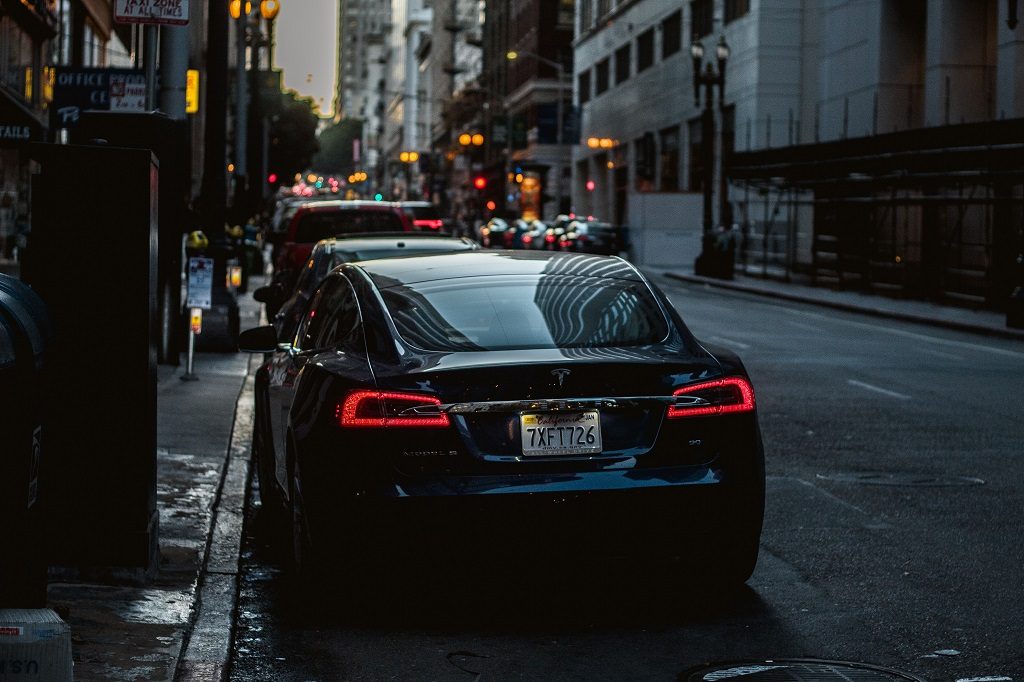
point(586, 14)
point(671, 35)
point(622, 56)
point(603, 8)
point(644, 151)
point(583, 86)
point(670, 159)
point(602, 77)
point(645, 50)
point(734, 9)
point(702, 15)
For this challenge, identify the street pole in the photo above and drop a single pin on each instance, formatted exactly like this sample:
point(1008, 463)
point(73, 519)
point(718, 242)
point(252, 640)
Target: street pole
point(214, 162)
point(241, 114)
point(173, 65)
point(708, 148)
point(558, 139)
point(151, 34)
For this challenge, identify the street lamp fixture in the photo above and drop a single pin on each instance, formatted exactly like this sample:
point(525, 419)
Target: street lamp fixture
point(235, 8)
point(269, 9)
point(513, 55)
point(714, 260)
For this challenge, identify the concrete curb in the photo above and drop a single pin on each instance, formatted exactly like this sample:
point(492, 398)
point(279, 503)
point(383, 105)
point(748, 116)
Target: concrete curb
point(206, 654)
point(849, 307)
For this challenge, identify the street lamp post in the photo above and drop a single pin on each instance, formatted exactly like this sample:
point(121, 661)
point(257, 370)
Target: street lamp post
point(512, 55)
point(240, 14)
point(712, 261)
point(408, 159)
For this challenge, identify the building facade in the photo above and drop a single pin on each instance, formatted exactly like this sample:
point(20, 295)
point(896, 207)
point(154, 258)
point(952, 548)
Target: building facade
point(535, 94)
point(405, 126)
point(827, 110)
point(36, 37)
point(363, 33)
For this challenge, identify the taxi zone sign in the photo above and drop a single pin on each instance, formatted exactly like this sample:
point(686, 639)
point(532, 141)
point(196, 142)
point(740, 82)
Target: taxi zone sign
point(151, 12)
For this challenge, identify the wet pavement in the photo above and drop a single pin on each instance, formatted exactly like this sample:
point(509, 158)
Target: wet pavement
point(180, 625)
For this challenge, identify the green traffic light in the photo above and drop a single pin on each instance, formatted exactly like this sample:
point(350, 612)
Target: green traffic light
point(378, 197)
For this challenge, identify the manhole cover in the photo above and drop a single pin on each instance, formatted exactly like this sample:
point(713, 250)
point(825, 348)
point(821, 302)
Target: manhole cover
point(795, 670)
point(901, 479)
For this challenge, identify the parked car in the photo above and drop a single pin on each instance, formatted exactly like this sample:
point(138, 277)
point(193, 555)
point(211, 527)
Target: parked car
point(323, 219)
point(327, 254)
point(547, 405)
point(592, 236)
point(492, 233)
point(425, 215)
point(531, 235)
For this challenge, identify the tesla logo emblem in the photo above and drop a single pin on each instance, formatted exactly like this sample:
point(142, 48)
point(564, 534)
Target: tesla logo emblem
point(561, 374)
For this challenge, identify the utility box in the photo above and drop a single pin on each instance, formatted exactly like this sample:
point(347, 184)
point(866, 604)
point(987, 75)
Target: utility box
point(92, 258)
point(169, 141)
point(35, 644)
point(25, 336)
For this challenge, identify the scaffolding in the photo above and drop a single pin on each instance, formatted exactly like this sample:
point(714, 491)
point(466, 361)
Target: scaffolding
point(935, 214)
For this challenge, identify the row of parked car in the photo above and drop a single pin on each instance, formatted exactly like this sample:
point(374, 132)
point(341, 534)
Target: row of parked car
point(425, 399)
point(565, 233)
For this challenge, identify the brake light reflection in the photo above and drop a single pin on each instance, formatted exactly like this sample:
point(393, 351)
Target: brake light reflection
point(432, 224)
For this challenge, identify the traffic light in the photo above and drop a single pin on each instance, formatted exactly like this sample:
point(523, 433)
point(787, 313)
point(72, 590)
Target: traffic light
point(480, 182)
point(272, 178)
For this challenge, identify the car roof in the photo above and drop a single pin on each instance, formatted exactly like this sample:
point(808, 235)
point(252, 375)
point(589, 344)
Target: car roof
point(467, 264)
point(365, 240)
point(347, 205)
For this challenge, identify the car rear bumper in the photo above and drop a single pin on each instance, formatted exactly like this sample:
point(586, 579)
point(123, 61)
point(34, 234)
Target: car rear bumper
point(561, 516)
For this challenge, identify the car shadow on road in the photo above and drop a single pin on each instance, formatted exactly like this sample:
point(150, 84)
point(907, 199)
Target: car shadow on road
point(494, 591)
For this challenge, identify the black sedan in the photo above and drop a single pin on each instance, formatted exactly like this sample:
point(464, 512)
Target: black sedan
point(285, 308)
point(536, 403)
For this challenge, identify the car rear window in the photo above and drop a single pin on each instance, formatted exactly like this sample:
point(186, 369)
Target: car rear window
point(508, 313)
point(423, 212)
point(315, 226)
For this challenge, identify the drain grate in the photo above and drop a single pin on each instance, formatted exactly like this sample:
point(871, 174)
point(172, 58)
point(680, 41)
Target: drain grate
point(901, 479)
point(795, 670)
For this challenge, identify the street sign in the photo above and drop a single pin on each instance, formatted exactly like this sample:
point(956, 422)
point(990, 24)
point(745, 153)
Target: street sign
point(78, 89)
point(127, 93)
point(200, 282)
point(174, 12)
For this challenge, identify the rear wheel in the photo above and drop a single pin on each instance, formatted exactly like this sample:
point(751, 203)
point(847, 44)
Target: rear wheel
point(270, 495)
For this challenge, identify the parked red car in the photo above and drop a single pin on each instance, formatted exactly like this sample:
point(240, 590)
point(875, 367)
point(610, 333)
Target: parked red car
point(326, 219)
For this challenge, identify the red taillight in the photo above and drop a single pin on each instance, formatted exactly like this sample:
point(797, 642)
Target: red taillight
point(384, 409)
point(527, 238)
point(432, 224)
point(549, 238)
point(721, 396)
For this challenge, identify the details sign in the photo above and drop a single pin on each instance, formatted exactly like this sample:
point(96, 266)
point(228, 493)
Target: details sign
point(174, 12)
point(200, 283)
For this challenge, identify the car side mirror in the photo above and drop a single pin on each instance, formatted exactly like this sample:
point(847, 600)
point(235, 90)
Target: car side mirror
point(272, 294)
point(258, 340)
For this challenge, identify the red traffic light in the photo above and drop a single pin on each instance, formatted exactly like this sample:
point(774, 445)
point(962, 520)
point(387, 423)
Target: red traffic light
point(480, 182)
point(272, 178)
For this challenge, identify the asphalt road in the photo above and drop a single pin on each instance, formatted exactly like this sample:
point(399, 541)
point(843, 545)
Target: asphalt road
point(893, 534)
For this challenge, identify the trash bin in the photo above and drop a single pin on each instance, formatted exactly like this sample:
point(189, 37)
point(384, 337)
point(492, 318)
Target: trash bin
point(25, 334)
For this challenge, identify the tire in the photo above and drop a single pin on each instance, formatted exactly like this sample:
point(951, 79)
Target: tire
point(317, 590)
point(271, 499)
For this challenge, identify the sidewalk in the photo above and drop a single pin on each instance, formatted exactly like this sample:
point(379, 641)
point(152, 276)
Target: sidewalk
point(985, 322)
point(179, 627)
point(122, 632)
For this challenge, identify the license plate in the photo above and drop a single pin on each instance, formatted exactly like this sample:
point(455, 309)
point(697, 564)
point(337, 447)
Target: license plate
point(549, 434)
